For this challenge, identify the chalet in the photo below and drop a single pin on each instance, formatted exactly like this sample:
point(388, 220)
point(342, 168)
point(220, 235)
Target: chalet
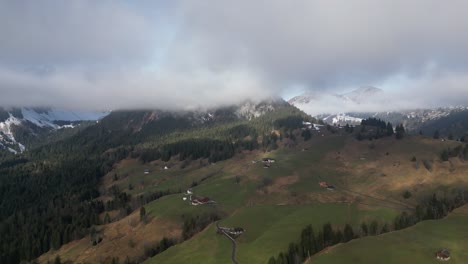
point(317, 127)
point(306, 125)
point(443, 255)
point(232, 231)
point(199, 200)
point(268, 160)
point(147, 171)
point(329, 187)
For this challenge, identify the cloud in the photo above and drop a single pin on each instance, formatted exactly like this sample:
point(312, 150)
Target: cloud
point(132, 89)
point(187, 54)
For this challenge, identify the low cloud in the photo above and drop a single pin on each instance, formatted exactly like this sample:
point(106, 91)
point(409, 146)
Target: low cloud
point(186, 54)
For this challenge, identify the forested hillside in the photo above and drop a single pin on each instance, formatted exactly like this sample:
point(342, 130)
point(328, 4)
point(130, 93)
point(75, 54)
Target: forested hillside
point(48, 194)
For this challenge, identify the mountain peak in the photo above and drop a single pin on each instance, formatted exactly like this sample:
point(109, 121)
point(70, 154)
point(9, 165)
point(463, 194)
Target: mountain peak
point(362, 94)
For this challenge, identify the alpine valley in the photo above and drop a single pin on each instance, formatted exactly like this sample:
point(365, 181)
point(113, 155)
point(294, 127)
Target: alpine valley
point(249, 183)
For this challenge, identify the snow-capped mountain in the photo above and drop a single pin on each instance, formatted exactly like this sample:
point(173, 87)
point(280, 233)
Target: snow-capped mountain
point(352, 107)
point(56, 119)
point(35, 121)
point(362, 95)
point(411, 119)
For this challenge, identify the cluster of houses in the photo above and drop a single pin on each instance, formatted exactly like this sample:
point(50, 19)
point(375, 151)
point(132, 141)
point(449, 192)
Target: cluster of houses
point(443, 255)
point(309, 125)
point(147, 171)
point(231, 231)
point(197, 200)
point(329, 187)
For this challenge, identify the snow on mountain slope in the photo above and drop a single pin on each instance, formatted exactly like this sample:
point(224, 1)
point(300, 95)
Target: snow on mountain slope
point(362, 95)
point(46, 118)
point(364, 102)
point(250, 110)
point(7, 139)
point(33, 119)
point(363, 99)
point(343, 119)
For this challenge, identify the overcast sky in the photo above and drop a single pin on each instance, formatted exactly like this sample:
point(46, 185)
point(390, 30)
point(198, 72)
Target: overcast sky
point(189, 54)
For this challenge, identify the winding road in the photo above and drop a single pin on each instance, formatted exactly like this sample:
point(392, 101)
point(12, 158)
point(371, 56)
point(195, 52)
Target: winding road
point(234, 246)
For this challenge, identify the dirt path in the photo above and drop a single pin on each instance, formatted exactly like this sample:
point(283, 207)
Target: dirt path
point(234, 245)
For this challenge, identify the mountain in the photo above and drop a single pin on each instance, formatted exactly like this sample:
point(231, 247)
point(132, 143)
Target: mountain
point(22, 127)
point(362, 95)
point(144, 174)
point(70, 172)
point(350, 108)
point(448, 120)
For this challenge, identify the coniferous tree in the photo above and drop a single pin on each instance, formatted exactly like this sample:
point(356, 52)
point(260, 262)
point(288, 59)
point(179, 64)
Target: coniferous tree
point(142, 213)
point(373, 229)
point(400, 131)
point(348, 233)
point(107, 219)
point(389, 129)
point(364, 229)
point(328, 235)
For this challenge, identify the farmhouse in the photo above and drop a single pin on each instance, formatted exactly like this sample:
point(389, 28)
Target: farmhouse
point(323, 184)
point(268, 160)
point(443, 255)
point(317, 127)
point(306, 125)
point(199, 200)
point(146, 171)
point(232, 231)
point(329, 187)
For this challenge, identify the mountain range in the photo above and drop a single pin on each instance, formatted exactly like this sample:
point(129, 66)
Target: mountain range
point(350, 108)
point(21, 128)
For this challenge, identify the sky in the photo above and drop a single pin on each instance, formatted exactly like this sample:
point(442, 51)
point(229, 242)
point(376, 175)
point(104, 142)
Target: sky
point(173, 55)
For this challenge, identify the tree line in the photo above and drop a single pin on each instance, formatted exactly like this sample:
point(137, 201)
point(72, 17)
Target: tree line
point(311, 242)
point(374, 128)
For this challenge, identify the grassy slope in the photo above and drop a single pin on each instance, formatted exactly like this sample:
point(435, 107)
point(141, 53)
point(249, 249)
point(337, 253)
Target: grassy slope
point(417, 244)
point(273, 217)
point(270, 228)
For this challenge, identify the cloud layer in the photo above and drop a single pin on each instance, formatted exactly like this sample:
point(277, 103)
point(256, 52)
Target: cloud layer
point(187, 54)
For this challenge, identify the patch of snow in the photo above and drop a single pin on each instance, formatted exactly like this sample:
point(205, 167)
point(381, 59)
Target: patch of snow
point(67, 126)
point(250, 110)
point(46, 118)
point(22, 147)
point(5, 127)
point(12, 151)
point(343, 118)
